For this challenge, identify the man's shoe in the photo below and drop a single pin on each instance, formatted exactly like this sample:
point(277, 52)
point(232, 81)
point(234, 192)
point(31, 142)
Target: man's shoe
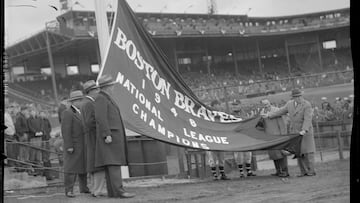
point(311, 174)
point(127, 195)
point(301, 175)
point(70, 194)
point(283, 175)
point(86, 192)
point(215, 178)
point(251, 174)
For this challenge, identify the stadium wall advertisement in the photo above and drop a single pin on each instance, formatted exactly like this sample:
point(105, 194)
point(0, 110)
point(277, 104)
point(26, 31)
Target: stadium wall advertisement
point(155, 101)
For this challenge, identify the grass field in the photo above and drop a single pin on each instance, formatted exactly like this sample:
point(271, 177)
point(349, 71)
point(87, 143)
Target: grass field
point(331, 184)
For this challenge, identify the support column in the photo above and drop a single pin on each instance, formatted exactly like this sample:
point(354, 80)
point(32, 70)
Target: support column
point(176, 59)
point(207, 61)
point(259, 56)
point(98, 55)
point(287, 56)
point(235, 61)
point(319, 53)
point(51, 63)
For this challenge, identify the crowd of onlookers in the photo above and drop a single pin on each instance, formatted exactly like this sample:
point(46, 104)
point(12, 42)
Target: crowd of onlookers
point(240, 25)
point(28, 131)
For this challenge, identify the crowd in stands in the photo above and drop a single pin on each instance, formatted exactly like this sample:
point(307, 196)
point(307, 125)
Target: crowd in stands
point(239, 25)
point(340, 109)
point(212, 87)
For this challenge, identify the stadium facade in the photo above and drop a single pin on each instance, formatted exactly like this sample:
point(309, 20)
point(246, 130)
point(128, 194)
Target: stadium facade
point(192, 42)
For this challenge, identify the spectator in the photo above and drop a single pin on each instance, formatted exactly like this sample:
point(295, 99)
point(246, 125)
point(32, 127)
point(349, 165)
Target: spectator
point(11, 149)
point(22, 133)
point(45, 128)
point(35, 134)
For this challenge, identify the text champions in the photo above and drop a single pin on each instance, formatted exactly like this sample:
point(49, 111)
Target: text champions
point(181, 101)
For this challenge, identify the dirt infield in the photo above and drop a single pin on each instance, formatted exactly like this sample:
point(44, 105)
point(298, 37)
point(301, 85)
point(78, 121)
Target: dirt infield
point(331, 184)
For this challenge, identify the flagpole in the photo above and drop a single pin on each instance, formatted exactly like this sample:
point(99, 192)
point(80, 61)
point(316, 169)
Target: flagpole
point(102, 26)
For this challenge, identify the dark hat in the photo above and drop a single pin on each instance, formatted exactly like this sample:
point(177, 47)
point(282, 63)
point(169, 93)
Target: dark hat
point(105, 80)
point(296, 93)
point(214, 102)
point(89, 85)
point(75, 95)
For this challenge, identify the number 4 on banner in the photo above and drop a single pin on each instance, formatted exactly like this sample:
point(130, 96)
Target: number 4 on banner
point(173, 110)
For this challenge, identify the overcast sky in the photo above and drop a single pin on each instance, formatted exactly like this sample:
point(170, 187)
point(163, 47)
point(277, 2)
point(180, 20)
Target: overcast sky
point(26, 17)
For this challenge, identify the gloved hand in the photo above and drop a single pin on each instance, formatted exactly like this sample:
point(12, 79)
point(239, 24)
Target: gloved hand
point(303, 132)
point(108, 139)
point(70, 150)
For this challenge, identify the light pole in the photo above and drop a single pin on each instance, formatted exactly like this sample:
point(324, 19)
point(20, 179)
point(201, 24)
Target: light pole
point(51, 63)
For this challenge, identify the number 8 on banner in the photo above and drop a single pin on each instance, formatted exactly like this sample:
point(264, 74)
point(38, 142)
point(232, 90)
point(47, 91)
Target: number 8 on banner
point(193, 123)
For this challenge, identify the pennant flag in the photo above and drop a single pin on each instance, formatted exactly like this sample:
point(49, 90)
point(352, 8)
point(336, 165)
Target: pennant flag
point(155, 101)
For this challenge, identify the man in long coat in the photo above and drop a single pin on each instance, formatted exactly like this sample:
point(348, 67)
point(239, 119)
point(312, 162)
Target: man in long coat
point(276, 126)
point(111, 147)
point(97, 175)
point(300, 115)
point(74, 149)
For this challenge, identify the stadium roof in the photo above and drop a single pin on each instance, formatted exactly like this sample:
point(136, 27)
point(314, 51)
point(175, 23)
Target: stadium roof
point(204, 15)
point(36, 44)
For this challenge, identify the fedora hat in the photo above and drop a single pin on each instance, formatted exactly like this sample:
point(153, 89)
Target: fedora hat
point(75, 95)
point(106, 80)
point(89, 85)
point(296, 93)
point(266, 102)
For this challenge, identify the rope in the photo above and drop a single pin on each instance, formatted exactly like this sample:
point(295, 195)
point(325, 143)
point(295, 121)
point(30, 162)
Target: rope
point(38, 148)
point(145, 164)
point(16, 142)
point(37, 166)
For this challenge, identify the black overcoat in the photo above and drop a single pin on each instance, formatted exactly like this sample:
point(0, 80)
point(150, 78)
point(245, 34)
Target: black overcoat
point(109, 122)
point(73, 135)
point(88, 114)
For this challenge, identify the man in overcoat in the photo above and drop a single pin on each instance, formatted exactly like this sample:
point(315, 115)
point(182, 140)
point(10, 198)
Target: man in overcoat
point(111, 146)
point(300, 115)
point(97, 175)
point(74, 149)
point(276, 126)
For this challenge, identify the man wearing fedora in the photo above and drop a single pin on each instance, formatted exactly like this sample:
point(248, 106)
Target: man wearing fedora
point(300, 115)
point(74, 149)
point(97, 175)
point(111, 146)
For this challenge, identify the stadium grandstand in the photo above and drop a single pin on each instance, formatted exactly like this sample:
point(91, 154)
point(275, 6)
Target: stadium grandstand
point(223, 57)
point(248, 55)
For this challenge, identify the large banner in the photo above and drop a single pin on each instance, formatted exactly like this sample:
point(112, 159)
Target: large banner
point(156, 102)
